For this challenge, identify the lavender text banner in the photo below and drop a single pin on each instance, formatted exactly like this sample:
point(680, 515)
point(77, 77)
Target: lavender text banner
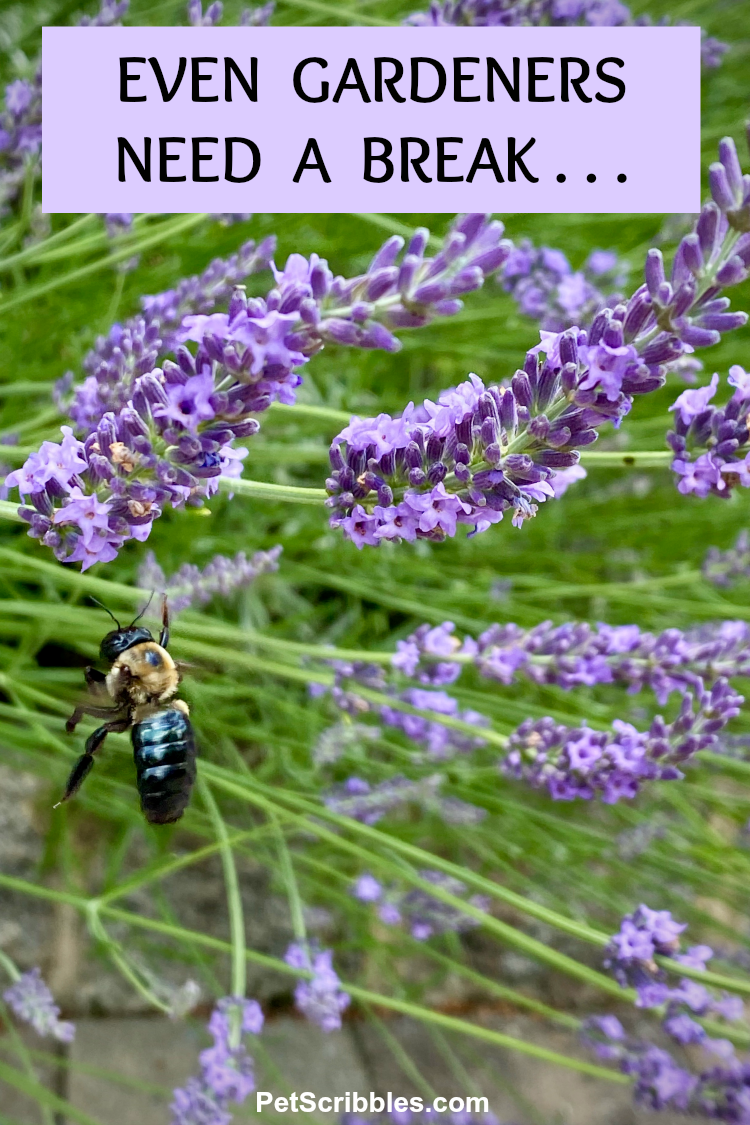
point(370, 119)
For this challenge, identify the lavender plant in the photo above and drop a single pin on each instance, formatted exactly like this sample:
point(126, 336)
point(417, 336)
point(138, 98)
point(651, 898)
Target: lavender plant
point(583, 763)
point(554, 13)
point(438, 742)
point(546, 288)
point(577, 654)
point(721, 432)
point(370, 803)
point(419, 911)
point(480, 451)
point(226, 1067)
point(724, 568)
point(719, 1090)
point(192, 585)
point(20, 137)
point(160, 436)
point(31, 1000)
point(320, 997)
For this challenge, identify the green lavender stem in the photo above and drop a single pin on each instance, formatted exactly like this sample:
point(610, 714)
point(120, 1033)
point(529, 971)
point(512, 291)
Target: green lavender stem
point(46, 1100)
point(407, 1008)
point(182, 225)
point(290, 883)
point(266, 490)
point(234, 905)
point(28, 255)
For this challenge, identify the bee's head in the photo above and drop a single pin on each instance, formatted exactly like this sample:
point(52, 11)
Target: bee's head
point(119, 640)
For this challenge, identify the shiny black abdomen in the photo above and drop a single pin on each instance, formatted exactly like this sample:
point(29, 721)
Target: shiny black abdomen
point(164, 753)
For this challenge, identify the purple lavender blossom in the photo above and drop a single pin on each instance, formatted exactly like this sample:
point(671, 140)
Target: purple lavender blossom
point(109, 15)
point(577, 654)
point(642, 935)
point(308, 306)
point(20, 136)
point(250, 17)
point(722, 1091)
point(439, 742)
point(479, 452)
point(719, 433)
point(725, 568)
point(545, 287)
point(134, 349)
point(564, 478)
point(32, 1002)
point(226, 1067)
point(370, 803)
point(167, 441)
point(343, 737)
point(222, 575)
point(320, 997)
point(540, 13)
point(157, 436)
point(581, 763)
point(659, 1082)
point(367, 888)
point(690, 404)
point(118, 223)
point(432, 641)
point(424, 914)
point(196, 1104)
point(261, 17)
point(646, 934)
point(196, 17)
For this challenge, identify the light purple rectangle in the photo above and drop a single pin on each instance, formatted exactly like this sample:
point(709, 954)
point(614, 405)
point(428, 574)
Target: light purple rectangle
point(84, 116)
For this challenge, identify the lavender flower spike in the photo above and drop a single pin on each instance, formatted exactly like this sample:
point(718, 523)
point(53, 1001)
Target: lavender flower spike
point(196, 17)
point(109, 15)
point(479, 452)
point(583, 763)
point(547, 289)
point(424, 914)
point(320, 998)
point(20, 136)
point(261, 16)
point(718, 435)
point(541, 13)
point(369, 804)
point(162, 435)
point(577, 654)
point(572, 655)
point(724, 568)
point(32, 1002)
point(191, 585)
point(226, 1067)
point(439, 742)
point(716, 1091)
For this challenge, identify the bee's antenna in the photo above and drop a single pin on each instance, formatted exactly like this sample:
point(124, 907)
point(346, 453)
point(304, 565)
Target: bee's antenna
point(140, 615)
point(109, 611)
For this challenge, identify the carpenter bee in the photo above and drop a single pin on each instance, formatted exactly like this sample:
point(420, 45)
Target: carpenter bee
point(141, 684)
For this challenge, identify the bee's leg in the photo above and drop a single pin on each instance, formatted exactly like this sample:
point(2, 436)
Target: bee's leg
point(88, 709)
point(82, 767)
point(164, 636)
point(95, 679)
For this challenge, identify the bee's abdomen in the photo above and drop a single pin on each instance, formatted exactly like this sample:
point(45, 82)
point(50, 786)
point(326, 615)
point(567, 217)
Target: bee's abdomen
point(164, 753)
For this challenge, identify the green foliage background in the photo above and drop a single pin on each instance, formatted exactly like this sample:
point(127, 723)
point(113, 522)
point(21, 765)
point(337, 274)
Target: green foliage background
point(622, 547)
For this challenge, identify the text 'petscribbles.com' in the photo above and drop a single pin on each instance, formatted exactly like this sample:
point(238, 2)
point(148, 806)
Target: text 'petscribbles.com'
point(353, 1102)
